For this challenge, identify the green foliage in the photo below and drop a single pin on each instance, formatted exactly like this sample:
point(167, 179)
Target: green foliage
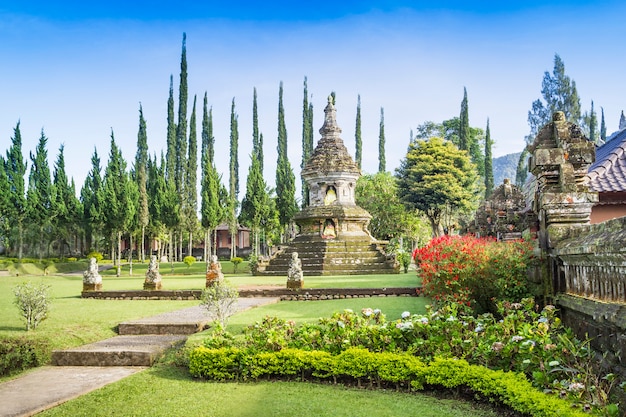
point(405, 260)
point(383, 369)
point(489, 185)
point(358, 141)
point(236, 261)
point(285, 178)
point(189, 260)
point(474, 272)
point(20, 353)
point(540, 354)
point(33, 302)
point(437, 179)
point(95, 254)
point(382, 159)
point(220, 299)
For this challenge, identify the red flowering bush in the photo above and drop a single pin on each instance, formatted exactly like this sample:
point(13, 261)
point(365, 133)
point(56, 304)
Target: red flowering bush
point(473, 272)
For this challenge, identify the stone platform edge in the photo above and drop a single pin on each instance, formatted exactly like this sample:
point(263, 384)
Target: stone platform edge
point(283, 293)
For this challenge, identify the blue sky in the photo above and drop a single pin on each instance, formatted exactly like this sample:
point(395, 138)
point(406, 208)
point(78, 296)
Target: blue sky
point(79, 69)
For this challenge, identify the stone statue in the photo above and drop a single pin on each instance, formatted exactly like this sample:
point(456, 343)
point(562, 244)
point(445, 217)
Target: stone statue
point(92, 281)
point(214, 273)
point(153, 276)
point(329, 231)
point(294, 273)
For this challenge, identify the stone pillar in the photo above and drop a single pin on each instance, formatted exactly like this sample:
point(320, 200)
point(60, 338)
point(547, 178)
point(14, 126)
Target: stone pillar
point(560, 158)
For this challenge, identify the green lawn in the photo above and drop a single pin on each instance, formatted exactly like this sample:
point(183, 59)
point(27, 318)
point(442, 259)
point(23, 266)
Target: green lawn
point(167, 391)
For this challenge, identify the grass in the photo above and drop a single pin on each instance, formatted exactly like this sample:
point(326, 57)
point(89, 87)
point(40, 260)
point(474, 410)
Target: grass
point(166, 391)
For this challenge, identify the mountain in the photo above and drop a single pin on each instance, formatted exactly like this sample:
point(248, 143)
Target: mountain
point(505, 167)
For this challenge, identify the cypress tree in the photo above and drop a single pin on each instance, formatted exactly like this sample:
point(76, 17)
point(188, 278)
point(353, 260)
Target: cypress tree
point(488, 163)
point(170, 169)
point(39, 198)
point(181, 127)
point(464, 131)
point(382, 163)
point(255, 204)
point(285, 178)
point(63, 205)
point(602, 127)
point(233, 178)
point(4, 200)
point(141, 176)
point(91, 199)
point(15, 168)
point(358, 156)
point(307, 138)
point(190, 203)
point(593, 125)
point(257, 146)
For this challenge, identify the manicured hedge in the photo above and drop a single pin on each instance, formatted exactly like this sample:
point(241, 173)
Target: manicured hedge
point(380, 369)
point(20, 353)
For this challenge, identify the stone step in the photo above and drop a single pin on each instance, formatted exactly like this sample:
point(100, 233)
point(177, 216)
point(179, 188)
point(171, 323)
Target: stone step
point(141, 350)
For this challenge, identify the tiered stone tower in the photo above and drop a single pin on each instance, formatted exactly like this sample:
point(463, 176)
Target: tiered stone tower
point(333, 238)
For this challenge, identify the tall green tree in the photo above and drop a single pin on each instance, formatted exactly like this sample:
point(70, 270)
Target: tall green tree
point(464, 124)
point(170, 170)
point(255, 204)
point(285, 178)
point(382, 160)
point(93, 205)
point(488, 163)
point(15, 169)
point(558, 93)
point(65, 207)
point(257, 145)
point(590, 125)
point(207, 152)
point(181, 138)
point(602, 127)
point(118, 200)
point(190, 202)
point(141, 177)
point(39, 198)
point(4, 204)
point(233, 178)
point(358, 142)
point(437, 179)
point(307, 138)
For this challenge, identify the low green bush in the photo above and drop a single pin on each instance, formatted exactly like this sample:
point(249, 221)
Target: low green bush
point(388, 369)
point(20, 353)
point(525, 340)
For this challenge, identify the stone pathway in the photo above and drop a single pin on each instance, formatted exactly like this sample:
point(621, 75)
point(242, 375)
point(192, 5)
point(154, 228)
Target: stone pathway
point(86, 368)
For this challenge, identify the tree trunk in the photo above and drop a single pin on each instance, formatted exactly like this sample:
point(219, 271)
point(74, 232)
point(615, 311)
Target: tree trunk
point(130, 257)
point(143, 243)
point(171, 251)
point(20, 249)
point(190, 244)
point(119, 253)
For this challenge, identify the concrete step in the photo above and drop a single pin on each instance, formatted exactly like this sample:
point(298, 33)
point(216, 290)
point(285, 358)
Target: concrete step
point(141, 350)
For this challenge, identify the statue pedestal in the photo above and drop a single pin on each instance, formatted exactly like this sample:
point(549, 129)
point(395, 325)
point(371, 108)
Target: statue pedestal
point(293, 284)
point(152, 286)
point(92, 287)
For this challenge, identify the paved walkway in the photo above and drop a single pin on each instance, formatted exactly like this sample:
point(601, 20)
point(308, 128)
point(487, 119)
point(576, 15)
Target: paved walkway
point(49, 386)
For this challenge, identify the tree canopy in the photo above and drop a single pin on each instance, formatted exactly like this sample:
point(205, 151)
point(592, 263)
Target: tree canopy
point(437, 178)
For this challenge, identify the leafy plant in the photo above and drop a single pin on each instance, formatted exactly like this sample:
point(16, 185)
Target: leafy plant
point(236, 261)
point(474, 272)
point(95, 254)
point(33, 301)
point(405, 260)
point(220, 299)
point(189, 260)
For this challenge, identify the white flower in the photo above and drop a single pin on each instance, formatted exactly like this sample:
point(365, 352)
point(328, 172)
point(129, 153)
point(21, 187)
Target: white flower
point(451, 318)
point(552, 364)
point(406, 314)
point(341, 324)
point(479, 329)
point(576, 386)
point(377, 311)
point(542, 320)
point(424, 320)
point(517, 338)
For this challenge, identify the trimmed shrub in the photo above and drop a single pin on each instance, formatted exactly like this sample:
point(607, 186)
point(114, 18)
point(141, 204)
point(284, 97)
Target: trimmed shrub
point(20, 353)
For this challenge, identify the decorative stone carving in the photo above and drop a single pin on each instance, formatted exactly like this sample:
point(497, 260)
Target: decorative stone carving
point(153, 279)
point(214, 273)
point(294, 273)
point(561, 156)
point(502, 214)
point(92, 281)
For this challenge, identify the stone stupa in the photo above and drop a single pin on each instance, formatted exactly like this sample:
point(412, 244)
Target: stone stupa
point(333, 238)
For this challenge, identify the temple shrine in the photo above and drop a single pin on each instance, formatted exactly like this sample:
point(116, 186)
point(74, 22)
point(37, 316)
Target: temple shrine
point(333, 238)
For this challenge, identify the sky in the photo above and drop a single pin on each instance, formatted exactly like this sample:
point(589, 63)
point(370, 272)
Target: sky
point(80, 70)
